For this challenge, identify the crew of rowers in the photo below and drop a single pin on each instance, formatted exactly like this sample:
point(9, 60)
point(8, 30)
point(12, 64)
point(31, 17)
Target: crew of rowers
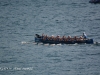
point(64, 38)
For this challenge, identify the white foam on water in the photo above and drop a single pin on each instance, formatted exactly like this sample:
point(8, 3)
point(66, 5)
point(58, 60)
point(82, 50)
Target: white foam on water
point(40, 43)
point(52, 44)
point(75, 44)
point(24, 42)
point(96, 43)
point(46, 44)
point(35, 43)
point(59, 44)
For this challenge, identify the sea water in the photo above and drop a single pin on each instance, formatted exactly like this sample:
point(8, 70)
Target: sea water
point(20, 20)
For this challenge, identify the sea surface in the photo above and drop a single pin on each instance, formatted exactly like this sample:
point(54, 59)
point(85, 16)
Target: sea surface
point(20, 20)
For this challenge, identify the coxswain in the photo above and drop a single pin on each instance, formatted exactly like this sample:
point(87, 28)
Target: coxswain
point(84, 36)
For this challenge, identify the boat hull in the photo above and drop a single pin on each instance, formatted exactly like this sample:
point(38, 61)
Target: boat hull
point(87, 41)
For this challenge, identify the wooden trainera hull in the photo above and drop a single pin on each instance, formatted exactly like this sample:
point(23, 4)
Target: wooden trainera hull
point(40, 39)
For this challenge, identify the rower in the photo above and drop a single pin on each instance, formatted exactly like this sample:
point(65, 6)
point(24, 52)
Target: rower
point(84, 36)
point(57, 37)
point(75, 38)
point(69, 38)
point(81, 38)
point(52, 37)
point(43, 35)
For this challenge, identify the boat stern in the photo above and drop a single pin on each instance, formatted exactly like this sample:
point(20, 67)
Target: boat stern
point(89, 41)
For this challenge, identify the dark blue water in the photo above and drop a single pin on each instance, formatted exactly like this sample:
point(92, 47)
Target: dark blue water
point(20, 20)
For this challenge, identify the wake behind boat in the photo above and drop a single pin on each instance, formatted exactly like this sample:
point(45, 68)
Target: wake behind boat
point(62, 40)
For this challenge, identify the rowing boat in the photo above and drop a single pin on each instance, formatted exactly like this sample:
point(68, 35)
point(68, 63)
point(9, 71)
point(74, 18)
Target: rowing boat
point(61, 40)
